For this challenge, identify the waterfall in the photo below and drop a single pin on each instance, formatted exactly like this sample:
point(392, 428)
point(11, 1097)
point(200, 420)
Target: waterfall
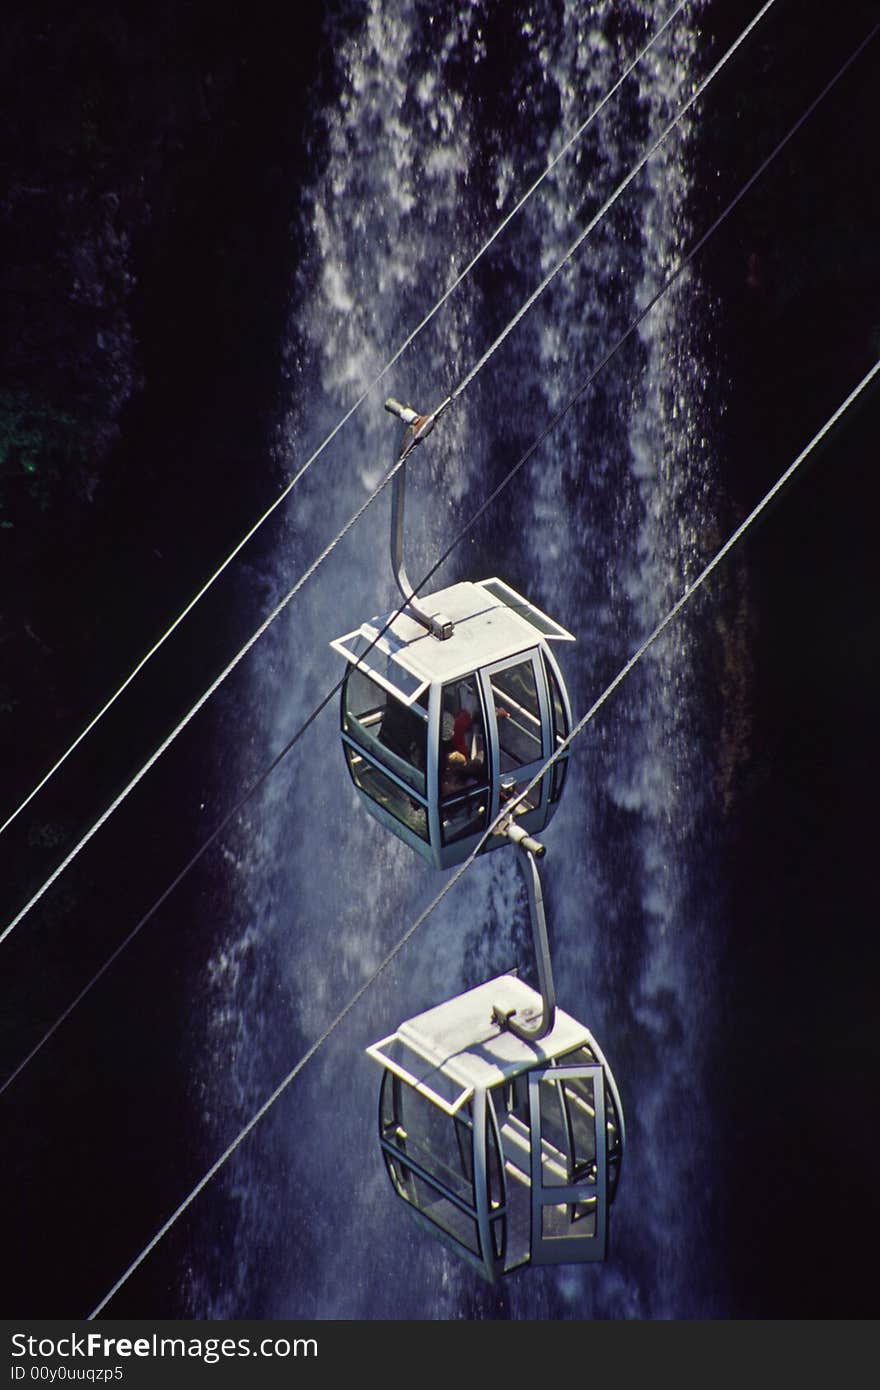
point(437, 122)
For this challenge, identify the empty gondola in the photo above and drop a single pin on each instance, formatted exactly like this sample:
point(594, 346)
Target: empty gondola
point(500, 1122)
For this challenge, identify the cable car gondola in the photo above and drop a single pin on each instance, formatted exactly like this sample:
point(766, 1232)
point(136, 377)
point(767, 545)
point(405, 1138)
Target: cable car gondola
point(499, 1119)
point(453, 704)
point(500, 1122)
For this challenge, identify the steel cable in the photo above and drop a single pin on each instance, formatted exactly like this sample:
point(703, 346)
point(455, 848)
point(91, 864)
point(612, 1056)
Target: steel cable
point(466, 381)
point(285, 493)
point(561, 751)
point(457, 539)
point(577, 729)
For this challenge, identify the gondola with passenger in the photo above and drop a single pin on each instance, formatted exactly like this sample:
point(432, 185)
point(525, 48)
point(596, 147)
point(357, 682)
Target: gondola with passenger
point(452, 705)
point(499, 1119)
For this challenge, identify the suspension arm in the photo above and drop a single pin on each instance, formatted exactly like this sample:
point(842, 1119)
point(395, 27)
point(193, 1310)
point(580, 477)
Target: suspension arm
point(418, 428)
point(540, 1027)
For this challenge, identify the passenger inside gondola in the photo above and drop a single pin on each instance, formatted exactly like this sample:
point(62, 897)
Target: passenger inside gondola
point(454, 777)
point(463, 782)
point(461, 728)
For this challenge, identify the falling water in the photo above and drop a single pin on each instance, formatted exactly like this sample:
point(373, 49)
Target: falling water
point(438, 121)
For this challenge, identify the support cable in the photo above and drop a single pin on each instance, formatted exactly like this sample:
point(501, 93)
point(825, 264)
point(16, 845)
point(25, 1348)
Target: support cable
point(551, 425)
point(689, 592)
point(466, 381)
point(202, 700)
point(284, 494)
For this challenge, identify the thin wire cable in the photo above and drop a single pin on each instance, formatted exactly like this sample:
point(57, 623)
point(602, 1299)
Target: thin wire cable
point(687, 595)
point(206, 695)
point(179, 877)
point(625, 670)
point(457, 539)
point(467, 380)
point(505, 222)
point(561, 751)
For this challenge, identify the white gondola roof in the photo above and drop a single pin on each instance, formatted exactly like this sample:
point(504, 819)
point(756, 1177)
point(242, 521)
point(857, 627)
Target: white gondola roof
point(451, 1050)
point(491, 622)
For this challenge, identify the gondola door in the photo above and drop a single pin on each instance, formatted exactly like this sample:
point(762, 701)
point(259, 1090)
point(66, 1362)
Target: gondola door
point(519, 714)
point(569, 1164)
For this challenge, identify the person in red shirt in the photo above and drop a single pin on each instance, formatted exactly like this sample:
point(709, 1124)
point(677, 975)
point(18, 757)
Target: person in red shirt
point(462, 726)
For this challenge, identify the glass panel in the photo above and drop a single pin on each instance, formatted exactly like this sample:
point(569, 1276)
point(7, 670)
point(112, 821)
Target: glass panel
point(580, 1103)
point(518, 713)
point(393, 733)
point(516, 1097)
point(568, 1124)
point(439, 1143)
point(444, 1213)
point(519, 1217)
point(557, 708)
point(387, 794)
point(565, 1222)
point(462, 735)
point(498, 589)
point(464, 815)
point(555, 1137)
point(399, 1053)
point(512, 1102)
point(560, 730)
point(463, 761)
point(374, 653)
point(564, 1135)
point(493, 1164)
point(388, 1104)
point(585, 1144)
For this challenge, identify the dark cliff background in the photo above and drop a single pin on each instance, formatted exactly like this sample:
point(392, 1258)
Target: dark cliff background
point(151, 158)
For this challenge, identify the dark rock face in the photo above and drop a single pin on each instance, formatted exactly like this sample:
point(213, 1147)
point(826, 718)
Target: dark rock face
point(119, 129)
point(151, 157)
